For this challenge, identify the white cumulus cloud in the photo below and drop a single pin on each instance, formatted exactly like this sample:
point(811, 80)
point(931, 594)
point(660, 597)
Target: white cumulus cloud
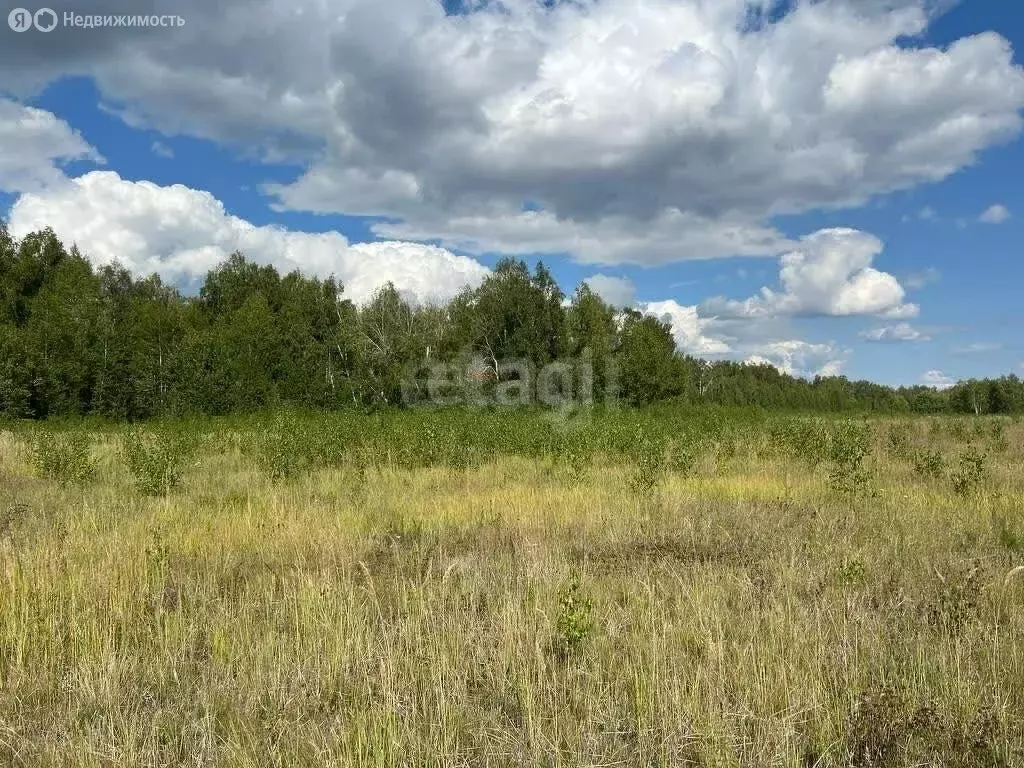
point(799, 358)
point(642, 132)
point(689, 330)
point(180, 232)
point(828, 274)
point(35, 145)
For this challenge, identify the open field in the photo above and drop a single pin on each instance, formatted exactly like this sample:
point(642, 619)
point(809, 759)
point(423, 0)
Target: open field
point(635, 589)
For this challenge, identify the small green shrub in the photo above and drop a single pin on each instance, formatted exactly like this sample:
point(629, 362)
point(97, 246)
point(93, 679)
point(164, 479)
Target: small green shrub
point(851, 573)
point(648, 467)
point(683, 455)
point(958, 431)
point(970, 474)
point(290, 447)
point(849, 446)
point(898, 443)
point(156, 460)
point(803, 439)
point(850, 443)
point(930, 464)
point(997, 437)
point(958, 601)
point(577, 459)
point(726, 449)
point(574, 625)
point(64, 457)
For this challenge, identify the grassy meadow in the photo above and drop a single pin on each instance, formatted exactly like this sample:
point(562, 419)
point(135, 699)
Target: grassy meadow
point(633, 588)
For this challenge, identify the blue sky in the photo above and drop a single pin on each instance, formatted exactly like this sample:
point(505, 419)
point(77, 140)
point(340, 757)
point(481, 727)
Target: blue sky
point(672, 149)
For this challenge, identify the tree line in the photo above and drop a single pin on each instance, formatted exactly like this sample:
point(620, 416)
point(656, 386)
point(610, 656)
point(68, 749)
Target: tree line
point(79, 340)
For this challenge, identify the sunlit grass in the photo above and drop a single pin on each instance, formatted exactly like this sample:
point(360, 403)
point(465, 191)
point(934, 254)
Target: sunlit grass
point(745, 614)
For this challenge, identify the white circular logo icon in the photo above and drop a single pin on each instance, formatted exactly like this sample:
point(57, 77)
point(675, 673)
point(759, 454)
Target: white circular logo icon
point(45, 20)
point(19, 20)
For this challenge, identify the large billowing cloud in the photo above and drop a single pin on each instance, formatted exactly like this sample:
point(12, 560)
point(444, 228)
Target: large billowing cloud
point(632, 132)
point(757, 343)
point(181, 233)
point(688, 329)
point(34, 144)
point(828, 274)
point(800, 358)
point(613, 131)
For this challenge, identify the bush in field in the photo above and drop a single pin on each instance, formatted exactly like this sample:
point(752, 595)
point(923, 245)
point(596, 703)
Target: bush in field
point(929, 463)
point(574, 625)
point(997, 437)
point(958, 431)
point(648, 466)
point(575, 455)
point(335, 442)
point(683, 455)
point(804, 439)
point(461, 457)
point(849, 446)
point(726, 449)
point(156, 460)
point(851, 573)
point(970, 474)
point(289, 447)
point(428, 446)
point(898, 444)
point(63, 457)
point(850, 443)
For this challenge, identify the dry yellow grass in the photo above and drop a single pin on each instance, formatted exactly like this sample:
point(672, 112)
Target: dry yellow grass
point(748, 616)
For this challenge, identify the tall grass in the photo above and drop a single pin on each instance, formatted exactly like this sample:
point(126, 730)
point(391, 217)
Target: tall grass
point(422, 589)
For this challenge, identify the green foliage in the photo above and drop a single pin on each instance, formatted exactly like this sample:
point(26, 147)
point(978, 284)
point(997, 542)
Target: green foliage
point(649, 466)
point(683, 455)
point(970, 474)
point(929, 463)
point(997, 437)
point(849, 446)
point(284, 450)
point(574, 625)
point(726, 449)
point(851, 573)
point(576, 455)
point(957, 430)
point(805, 439)
point(156, 459)
point(76, 340)
point(958, 600)
point(65, 457)
point(648, 365)
point(898, 442)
